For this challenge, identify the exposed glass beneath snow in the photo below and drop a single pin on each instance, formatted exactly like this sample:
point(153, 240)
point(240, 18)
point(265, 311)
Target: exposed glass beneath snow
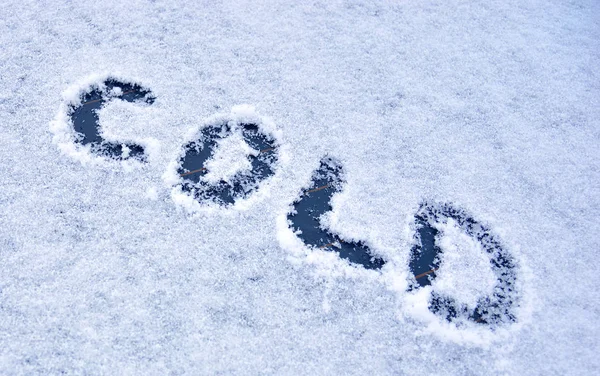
point(227, 161)
point(315, 202)
point(428, 260)
point(86, 122)
point(107, 266)
point(195, 164)
point(437, 227)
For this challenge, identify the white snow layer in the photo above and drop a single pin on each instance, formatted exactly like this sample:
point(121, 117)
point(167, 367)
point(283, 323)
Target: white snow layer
point(464, 273)
point(493, 106)
point(229, 159)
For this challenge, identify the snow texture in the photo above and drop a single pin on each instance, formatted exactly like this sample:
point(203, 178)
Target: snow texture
point(229, 159)
point(229, 172)
point(493, 106)
point(464, 273)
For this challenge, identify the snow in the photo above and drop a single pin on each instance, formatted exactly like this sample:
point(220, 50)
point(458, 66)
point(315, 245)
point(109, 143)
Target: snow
point(229, 158)
point(464, 272)
point(112, 117)
point(492, 106)
point(231, 147)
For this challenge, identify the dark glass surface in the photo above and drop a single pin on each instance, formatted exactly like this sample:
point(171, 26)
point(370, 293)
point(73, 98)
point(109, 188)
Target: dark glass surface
point(495, 308)
point(242, 184)
point(315, 202)
point(86, 122)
